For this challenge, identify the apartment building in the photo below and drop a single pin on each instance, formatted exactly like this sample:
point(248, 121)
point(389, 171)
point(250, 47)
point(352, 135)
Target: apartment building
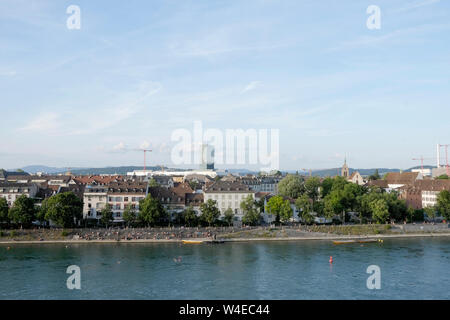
point(94, 200)
point(228, 194)
point(121, 195)
point(13, 190)
point(423, 193)
point(117, 194)
point(431, 189)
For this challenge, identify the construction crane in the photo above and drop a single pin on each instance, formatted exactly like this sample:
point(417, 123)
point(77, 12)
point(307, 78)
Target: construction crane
point(145, 153)
point(446, 157)
point(421, 159)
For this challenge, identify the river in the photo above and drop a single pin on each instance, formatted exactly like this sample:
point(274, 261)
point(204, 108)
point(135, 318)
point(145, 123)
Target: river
point(409, 269)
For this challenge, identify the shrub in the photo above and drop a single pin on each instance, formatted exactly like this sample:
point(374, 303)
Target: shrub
point(13, 234)
point(64, 233)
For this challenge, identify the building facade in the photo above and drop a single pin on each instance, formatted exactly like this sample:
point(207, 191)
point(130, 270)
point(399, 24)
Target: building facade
point(228, 194)
point(13, 190)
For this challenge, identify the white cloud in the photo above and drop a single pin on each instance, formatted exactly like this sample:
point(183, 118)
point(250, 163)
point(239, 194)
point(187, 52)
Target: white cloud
point(11, 73)
point(251, 86)
point(415, 5)
point(92, 120)
point(120, 147)
point(144, 145)
point(411, 34)
point(48, 122)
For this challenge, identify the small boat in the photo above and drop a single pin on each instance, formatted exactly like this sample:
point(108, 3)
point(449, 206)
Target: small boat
point(215, 241)
point(357, 241)
point(192, 241)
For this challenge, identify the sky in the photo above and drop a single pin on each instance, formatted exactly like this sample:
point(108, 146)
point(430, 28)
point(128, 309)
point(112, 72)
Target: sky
point(136, 71)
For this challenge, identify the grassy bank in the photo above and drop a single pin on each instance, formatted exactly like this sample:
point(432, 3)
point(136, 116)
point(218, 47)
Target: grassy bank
point(154, 234)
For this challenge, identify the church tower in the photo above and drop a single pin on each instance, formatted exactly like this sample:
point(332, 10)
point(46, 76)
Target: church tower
point(345, 171)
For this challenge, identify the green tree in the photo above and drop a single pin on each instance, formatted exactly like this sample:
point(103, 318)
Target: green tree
point(430, 212)
point(312, 188)
point(415, 215)
point(305, 207)
point(151, 211)
point(286, 211)
point(260, 204)
point(291, 186)
point(63, 209)
point(380, 211)
point(251, 213)
point(152, 183)
point(228, 216)
point(40, 214)
point(443, 204)
point(334, 203)
point(129, 215)
point(210, 212)
point(398, 211)
point(23, 211)
point(274, 206)
point(3, 211)
point(327, 184)
point(106, 215)
point(339, 183)
point(443, 177)
point(375, 176)
point(190, 217)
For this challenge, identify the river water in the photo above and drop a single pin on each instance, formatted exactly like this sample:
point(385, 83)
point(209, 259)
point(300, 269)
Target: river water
point(410, 269)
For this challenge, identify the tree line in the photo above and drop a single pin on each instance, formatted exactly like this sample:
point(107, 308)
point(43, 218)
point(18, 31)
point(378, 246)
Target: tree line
point(329, 198)
point(336, 197)
point(66, 210)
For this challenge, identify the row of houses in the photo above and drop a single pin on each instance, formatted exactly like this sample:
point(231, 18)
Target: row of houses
point(418, 191)
point(122, 191)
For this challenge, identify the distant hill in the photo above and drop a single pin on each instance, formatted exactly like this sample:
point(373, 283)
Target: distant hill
point(88, 171)
point(337, 171)
point(124, 169)
point(45, 169)
point(363, 172)
point(109, 170)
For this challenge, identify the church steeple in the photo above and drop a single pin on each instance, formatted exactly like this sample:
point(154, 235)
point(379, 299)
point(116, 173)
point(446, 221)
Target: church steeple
point(345, 172)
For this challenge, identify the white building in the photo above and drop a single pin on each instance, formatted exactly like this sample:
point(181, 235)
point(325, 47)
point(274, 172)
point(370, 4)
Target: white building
point(149, 173)
point(13, 190)
point(117, 194)
point(356, 178)
point(121, 195)
point(228, 194)
point(94, 200)
point(396, 180)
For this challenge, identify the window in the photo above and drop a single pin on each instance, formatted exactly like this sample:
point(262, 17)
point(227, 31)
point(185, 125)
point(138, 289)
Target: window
point(125, 199)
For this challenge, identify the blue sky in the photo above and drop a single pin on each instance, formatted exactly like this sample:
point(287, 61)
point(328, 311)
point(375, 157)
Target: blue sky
point(138, 70)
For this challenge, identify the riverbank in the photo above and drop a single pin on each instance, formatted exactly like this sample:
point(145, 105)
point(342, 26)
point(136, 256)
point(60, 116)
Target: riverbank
point(230, 234)
point(208, 240)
